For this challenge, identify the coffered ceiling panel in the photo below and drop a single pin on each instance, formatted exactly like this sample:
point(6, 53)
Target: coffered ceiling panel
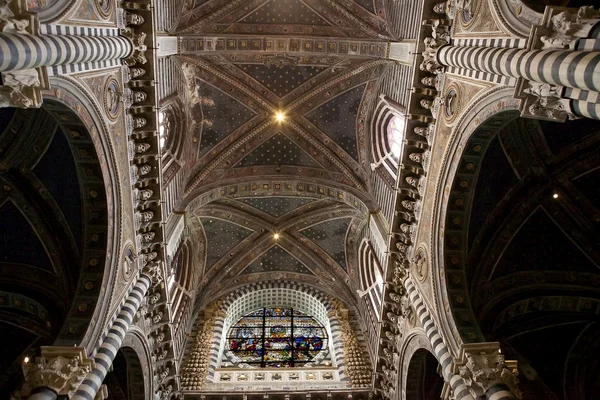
point(276, 259)
point(278, 150)
point(222, 115)
point(276, 206)
point(331, 237)
point(337, 118)
point(281, 80)
point(221, 238)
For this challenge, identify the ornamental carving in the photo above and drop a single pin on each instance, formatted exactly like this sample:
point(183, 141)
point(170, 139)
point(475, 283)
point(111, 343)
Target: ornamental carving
point(483, 366)
point(356, 366)
point(57, 372)
point(193, 375)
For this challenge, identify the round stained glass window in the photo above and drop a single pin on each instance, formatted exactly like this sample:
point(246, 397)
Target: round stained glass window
point(395, 132)
point(276, 338)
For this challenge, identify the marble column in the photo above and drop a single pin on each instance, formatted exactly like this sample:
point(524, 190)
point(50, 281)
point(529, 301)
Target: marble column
point(574, 69)
point(440, 349)
point(113, 340)
point(24, 51)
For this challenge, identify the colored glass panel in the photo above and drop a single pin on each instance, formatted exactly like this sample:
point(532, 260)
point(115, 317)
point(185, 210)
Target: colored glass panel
point(276, 338)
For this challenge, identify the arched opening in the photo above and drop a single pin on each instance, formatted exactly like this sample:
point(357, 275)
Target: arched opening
point(53, 233)
point(423, 380)
point(540, 5)
point(521, 253)
point(126, 379)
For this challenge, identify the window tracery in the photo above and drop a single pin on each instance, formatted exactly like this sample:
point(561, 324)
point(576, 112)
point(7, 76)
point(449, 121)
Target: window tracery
point(276, 338)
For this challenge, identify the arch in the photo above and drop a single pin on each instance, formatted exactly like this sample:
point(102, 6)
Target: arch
point(276, 294)
point(415, 347)
point(172, 132)
point(387, 130)
point(131, 374)
point(289, 186)
point(70, 93)
point(495, 107)
point(371, 277)
point(56, 179)
point(516, 16)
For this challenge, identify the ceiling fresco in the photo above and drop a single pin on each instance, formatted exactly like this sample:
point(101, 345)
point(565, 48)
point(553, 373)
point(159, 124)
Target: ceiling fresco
point(276, 206)
point(276, 259)
point(278, 150)
point(222, 114)
point(337, 118)
point(285, 88)
point(300, 17)
point(222, 237)
point(281, 80)
point(331, 237)
point(284, 12)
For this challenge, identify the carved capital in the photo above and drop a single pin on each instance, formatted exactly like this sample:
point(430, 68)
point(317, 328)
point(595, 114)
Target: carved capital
point(543, 101)
point(482, 366)
point(61, 369)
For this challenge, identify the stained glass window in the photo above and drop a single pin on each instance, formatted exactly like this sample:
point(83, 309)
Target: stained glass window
point(276, 338)
point(395, 133)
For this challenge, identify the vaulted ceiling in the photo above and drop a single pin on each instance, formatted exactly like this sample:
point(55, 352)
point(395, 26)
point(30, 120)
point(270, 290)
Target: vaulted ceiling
point(318, 63)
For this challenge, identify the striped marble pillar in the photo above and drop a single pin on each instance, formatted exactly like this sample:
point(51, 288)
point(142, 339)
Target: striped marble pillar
point(575, 69)
point(586, 109)
point(109, 348)
point(43, 393)
point(440, 349)
point(23, 51)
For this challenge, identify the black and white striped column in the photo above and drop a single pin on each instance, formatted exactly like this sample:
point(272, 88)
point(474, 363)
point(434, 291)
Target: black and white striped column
point(575, 69)
point(499, 391)
point(440, 349)
point(22, 51)
point(42, 393)
point(586, 109)
point(109, 348)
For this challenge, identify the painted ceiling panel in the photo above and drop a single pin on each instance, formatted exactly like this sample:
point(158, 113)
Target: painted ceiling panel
point(221, 118)
point(221, 238)
point(337, 118)
point(276, 259)
point(281, 81)
point(495, 167)
point(528, 249)
point(285, 12)
point(331, 237)
point(588, 185)
point(18, 241)
point(276, 206)
point(368, 4)
point(57, 172)
point(278, 150)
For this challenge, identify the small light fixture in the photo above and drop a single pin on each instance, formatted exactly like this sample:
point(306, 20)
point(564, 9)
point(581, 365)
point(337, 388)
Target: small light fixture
point(555, 196)
point(280, 117)
point(276, 236)
point(26, 360)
